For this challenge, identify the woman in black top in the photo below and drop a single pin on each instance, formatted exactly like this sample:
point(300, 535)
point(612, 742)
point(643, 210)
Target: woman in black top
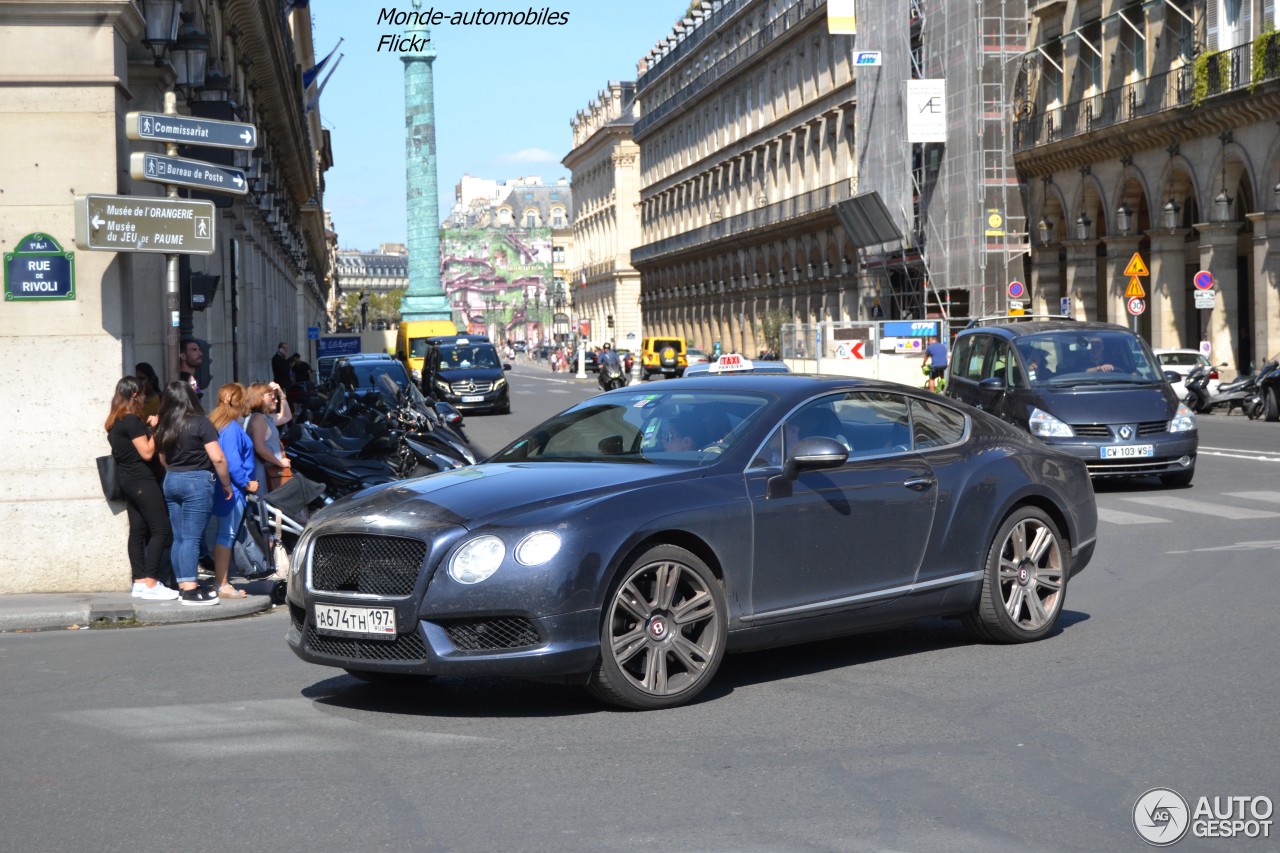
point(135, 452)
point(189, 448)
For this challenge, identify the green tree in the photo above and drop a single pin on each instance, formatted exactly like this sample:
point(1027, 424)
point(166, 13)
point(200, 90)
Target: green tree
point(770, 327)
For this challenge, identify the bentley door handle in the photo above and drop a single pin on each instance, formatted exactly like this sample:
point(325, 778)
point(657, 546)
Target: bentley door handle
point(919, 484)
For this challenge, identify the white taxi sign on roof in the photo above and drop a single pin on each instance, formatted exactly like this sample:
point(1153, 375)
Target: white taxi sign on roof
point(730, 363)
point(462, 342)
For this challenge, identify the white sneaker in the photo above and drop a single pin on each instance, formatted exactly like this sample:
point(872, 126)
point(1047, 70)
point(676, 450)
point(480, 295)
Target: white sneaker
point(138, 587)
point(159, 592)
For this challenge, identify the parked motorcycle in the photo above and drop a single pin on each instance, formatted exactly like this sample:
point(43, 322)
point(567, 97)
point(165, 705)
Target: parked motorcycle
point(1243, 393)
point(1269, 389)
point(379, 436)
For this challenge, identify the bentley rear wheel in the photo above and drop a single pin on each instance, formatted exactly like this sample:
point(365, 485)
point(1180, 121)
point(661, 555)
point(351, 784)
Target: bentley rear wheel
point(663, 633)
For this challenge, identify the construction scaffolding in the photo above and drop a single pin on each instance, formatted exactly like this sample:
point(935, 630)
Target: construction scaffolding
point(958, 202)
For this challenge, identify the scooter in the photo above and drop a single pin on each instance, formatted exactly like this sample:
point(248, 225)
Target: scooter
point(611, 376)
point(1242, 394)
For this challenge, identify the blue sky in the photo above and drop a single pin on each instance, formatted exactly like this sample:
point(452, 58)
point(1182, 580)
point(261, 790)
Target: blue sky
point(504, 98)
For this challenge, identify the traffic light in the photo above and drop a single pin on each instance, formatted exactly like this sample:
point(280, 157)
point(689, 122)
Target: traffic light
point(202, 289)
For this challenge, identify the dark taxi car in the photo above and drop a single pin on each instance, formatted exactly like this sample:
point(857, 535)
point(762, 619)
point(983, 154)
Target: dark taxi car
point(1094, 390)
point(631, 540)
point(465, 370)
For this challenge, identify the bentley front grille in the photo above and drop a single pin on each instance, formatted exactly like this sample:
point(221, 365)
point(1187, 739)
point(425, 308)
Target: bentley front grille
point(370, 565)
point(406, 647)
point(498, 633)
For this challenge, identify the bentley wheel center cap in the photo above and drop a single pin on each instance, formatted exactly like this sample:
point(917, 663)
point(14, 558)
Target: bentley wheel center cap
point(658, 629)
point(1024, 575)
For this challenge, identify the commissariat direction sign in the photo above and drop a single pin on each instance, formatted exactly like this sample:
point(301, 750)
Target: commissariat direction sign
point(187, 173)
point(121, 223)
point(158, 127)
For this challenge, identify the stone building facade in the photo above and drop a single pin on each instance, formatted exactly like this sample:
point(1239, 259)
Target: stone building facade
point(746, 136)
point(605, 164)
point(1151, 129)
point(69, 73)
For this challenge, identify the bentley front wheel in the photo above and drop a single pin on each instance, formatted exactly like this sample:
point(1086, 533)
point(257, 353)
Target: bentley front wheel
point(663, 631)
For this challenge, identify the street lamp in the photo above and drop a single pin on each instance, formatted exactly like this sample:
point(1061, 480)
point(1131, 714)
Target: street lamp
point(189, 54)
point(1222, 206)
point(162, 26)
point(216, 88)
point(1170, 214)
point(1082, 227)
point(1124, 218)
point(1045, 227)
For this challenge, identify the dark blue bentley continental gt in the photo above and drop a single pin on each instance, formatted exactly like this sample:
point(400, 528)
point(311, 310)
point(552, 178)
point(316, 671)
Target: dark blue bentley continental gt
point(630, 541)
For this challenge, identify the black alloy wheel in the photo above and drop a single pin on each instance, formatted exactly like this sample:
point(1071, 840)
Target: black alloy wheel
point(1272, 404)
point(1025, 583)
point(663, 633)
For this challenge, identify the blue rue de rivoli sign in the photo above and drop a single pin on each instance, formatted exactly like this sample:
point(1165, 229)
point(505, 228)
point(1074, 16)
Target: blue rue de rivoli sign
point(187, 173)
point(39, 270)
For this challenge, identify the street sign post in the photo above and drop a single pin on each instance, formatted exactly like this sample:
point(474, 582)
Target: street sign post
point(144, 166)
point(1205, 299)
point(158, 127)
point(1204, 280)
point(121, 223)
point(1064, 306)
point(1136, 305)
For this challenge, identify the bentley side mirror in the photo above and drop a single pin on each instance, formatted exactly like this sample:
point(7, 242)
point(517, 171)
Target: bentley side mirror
point(811, 454)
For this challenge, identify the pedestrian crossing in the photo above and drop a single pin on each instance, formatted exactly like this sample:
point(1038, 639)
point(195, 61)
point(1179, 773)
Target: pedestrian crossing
point(1240, 507)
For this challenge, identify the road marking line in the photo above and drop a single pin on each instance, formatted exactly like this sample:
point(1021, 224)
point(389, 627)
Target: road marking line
point(1267, 497)
point(1116, 516)
point(1203, 507)
point(1232, 453)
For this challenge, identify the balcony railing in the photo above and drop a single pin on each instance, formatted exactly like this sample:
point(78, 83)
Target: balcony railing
point(771, 214)
point(723, 65)
point(1224, 72)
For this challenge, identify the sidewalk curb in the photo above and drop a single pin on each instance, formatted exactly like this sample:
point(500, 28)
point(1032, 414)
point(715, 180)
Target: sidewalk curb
point(61, 611)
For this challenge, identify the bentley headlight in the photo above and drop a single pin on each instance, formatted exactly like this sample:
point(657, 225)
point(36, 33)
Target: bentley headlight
point(477, 560)
point(1046, 425)
point(1183, 420)
point(537, 548)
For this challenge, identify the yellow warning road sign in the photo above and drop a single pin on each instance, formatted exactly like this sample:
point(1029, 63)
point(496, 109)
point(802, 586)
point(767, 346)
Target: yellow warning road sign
point(1134, 288)
point(1136, 266)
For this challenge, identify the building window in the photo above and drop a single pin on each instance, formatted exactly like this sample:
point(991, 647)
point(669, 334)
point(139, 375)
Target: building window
point(557, 254)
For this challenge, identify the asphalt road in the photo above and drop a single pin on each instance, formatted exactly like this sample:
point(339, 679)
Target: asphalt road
point(215, 737)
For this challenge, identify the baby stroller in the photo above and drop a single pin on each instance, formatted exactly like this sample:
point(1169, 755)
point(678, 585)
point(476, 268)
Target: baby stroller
point(272, 524)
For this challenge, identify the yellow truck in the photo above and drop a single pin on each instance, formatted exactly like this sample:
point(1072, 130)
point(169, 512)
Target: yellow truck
point(411, 342)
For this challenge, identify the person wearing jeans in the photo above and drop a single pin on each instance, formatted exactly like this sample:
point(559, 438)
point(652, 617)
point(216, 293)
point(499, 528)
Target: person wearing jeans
point(188, 444)
point(134, 450)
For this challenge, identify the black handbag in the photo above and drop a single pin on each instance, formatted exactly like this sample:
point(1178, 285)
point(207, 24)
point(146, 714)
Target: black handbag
point(110, 479)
